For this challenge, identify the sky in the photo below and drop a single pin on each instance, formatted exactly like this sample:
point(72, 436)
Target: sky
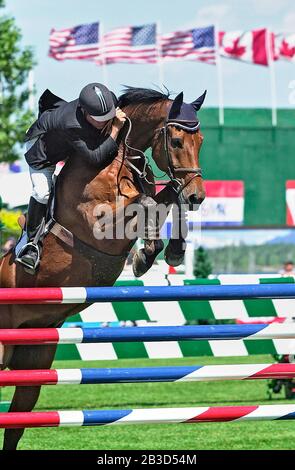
point(244, 85)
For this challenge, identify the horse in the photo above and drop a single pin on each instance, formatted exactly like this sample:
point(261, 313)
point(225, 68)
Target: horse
point(72, 255)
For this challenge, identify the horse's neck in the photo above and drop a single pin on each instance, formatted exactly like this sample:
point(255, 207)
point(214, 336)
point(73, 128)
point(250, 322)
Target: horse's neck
point(144, 126)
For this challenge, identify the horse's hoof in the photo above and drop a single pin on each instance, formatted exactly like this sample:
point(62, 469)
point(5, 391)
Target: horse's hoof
point(173, 259)
point(141, 263)
point(149, 247)
point(153, 247)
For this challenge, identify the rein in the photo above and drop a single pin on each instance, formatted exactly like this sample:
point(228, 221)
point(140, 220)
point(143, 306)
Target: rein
point(141, 155)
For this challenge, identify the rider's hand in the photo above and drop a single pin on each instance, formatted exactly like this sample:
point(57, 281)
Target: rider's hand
point(119, 119)
point(118, 123)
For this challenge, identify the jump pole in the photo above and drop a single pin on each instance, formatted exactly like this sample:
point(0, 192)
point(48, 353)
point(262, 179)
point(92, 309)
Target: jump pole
point(147, 374)
point(146, 333)
point(146, 416)
point(77, 295)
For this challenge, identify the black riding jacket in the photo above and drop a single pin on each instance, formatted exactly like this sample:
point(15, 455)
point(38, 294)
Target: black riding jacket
point(63, 131)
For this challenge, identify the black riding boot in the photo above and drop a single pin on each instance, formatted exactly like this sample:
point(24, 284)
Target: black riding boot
point(30, 253)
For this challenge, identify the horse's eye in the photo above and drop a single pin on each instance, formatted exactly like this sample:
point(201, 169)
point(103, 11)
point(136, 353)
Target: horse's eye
point(176, 143)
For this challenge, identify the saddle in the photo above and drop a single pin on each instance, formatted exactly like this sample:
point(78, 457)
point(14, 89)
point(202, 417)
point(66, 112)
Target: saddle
point(48, 225)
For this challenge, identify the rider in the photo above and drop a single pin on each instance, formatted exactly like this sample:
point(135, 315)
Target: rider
point(64, 128)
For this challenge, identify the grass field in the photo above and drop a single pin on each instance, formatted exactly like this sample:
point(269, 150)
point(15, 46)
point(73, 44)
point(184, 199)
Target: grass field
point(238, 435)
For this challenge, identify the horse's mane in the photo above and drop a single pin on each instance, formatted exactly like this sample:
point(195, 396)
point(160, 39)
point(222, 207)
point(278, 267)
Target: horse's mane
point(133, 95)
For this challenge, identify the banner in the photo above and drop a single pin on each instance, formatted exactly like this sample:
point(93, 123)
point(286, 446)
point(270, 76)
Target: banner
point(223, 206)
point(224, 203)
point(290, 200)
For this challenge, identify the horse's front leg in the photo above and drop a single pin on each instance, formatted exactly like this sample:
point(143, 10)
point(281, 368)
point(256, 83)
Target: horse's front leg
point(150, 233)
point(175, 250)
point(156, 211)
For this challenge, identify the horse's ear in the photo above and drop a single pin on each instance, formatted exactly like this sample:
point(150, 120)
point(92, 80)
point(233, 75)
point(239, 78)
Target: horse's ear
point(197, 104)
point(176, 105)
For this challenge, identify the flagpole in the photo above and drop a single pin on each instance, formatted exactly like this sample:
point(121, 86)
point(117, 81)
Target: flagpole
point(105, 77)
point(273, 85)
point(159, 56)
point(219, 70)
point(31, 85)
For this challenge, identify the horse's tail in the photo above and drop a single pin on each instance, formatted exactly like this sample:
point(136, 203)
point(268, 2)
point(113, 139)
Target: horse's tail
point(3, 259)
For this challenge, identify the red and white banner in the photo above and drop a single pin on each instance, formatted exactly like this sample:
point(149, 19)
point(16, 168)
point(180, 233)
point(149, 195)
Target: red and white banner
point(285, 46)
point(224, 205)
point(247, 46)
point(290, 200)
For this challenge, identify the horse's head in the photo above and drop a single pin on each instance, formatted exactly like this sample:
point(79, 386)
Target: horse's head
point(176, 149)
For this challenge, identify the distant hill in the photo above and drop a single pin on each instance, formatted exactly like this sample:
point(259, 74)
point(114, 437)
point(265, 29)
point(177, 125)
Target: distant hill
point(287, 239)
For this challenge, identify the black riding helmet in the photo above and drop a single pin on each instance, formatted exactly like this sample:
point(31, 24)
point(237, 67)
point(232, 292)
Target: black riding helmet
point(98, 101)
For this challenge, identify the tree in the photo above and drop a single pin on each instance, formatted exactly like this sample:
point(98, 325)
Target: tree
point(202, 265)
point(15, 64)
point(1, 223)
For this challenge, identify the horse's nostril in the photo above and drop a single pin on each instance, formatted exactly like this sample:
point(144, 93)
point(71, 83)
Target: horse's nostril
point(194, 199)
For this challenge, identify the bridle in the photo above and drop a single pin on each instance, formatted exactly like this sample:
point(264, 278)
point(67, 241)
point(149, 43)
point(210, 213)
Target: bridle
point(177, 184)
point(172, 171)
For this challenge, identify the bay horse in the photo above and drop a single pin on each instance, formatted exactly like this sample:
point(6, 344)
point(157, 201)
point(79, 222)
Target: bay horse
point(72, 255)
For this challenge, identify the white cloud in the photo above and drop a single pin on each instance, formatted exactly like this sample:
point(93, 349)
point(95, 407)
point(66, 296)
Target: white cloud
point(270, 7)
point(233, 15)
point(212, 14)
point(288, 23)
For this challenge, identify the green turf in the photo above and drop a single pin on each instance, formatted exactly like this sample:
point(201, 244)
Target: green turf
point(237, 435)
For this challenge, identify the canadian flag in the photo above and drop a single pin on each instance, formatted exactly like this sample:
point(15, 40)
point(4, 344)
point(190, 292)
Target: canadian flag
point(285, 46)
point(248, 46)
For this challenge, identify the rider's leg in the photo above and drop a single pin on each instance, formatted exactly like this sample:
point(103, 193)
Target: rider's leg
point(42, 183)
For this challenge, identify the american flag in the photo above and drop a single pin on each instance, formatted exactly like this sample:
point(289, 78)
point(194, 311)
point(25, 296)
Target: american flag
point(131, 44)
point(193, 44)
point(79, 42)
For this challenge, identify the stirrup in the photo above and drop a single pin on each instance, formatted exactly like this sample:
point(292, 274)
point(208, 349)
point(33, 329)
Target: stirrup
point(28, 267)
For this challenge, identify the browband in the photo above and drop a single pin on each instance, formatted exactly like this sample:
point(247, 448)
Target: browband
point(183, 126)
